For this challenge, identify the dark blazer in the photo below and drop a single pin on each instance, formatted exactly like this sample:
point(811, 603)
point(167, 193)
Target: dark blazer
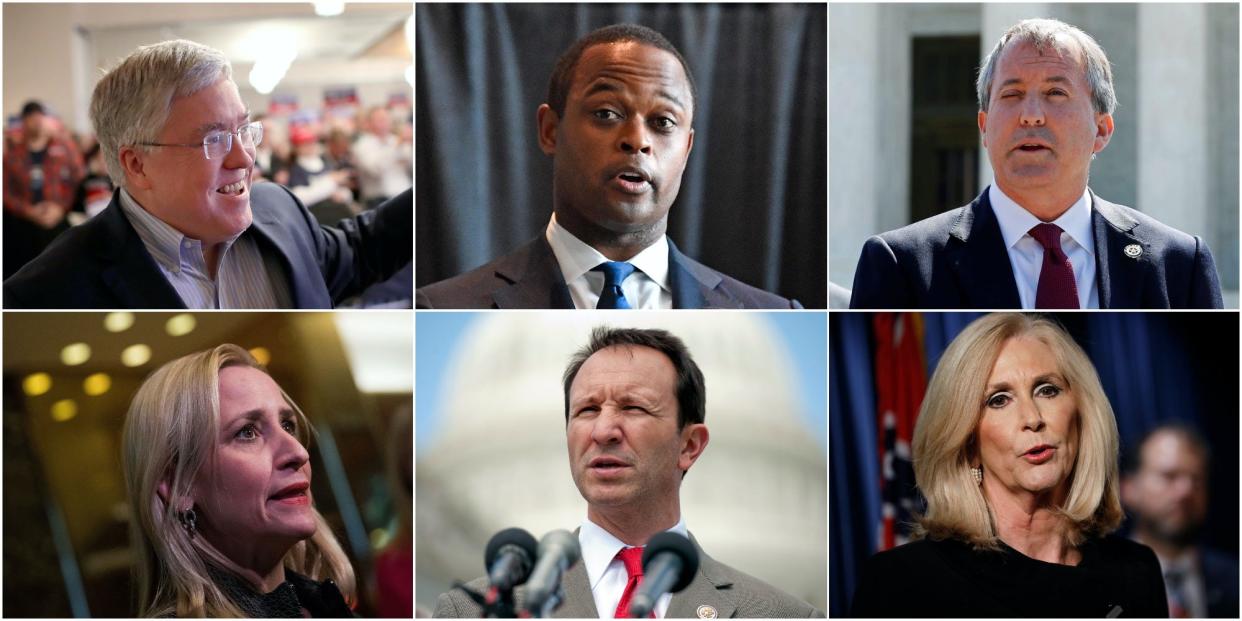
point(530, 277)
point(729, 592)
point(1220, 578)
point(958, 259)
point(104, 264)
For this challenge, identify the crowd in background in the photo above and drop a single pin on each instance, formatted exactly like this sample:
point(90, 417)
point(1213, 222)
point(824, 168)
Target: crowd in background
point(337, 165)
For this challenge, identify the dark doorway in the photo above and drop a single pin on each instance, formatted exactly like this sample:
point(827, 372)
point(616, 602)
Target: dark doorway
point(944, 147)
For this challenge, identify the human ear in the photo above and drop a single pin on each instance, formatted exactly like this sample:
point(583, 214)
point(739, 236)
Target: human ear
point(547, 120)
point(693, 440)
point(1103, 131)
point(134, 168)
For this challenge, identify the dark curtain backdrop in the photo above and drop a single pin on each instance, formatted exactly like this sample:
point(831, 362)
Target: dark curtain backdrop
point(753, 201)
point(1155, 367)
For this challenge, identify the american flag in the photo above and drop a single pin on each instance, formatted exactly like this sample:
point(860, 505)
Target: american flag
point(900, 380)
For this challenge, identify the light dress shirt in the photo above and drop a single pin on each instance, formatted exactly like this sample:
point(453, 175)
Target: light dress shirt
point(646, 288)
point(244, 277)
point(1026, 255)
point(1193, 587)
point(606, 573)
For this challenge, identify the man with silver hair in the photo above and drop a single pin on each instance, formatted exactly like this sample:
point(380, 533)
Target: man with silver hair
point(186, 227)
point(1038, 237)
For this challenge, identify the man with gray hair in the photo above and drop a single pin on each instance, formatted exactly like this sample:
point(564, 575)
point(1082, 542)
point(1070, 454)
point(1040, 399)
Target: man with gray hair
point(1039, 237)
point(186, 227)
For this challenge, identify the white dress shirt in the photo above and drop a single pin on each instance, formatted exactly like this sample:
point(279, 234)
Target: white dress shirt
point(1026, 255)
point(606, 573)
point(244, 277)
point(383, 165)
point(646, 288)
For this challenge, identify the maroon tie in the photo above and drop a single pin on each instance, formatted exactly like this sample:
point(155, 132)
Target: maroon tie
point(633, 559)
point(1057, 288)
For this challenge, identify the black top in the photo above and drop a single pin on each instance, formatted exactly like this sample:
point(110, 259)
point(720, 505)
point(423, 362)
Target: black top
point(950, 579)
point(297, 592)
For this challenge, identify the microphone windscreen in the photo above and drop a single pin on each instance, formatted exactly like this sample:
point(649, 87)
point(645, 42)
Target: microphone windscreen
point(675, 544)
point(509, 536)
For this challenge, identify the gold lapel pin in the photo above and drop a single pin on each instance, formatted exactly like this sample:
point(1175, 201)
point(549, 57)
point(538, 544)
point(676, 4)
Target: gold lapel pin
point(1133, 251)
point(706, 612)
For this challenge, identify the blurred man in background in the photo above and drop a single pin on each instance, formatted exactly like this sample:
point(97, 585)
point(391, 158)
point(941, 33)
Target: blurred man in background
point(41, 175)
point(384, 161)
point(1165, 489)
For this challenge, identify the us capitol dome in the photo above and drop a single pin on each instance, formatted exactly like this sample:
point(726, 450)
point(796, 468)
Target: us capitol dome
point(756, 499)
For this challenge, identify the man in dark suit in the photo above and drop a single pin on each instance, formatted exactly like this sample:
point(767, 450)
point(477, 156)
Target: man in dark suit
point(185, 228)
point(1038, 237)
point(617, 125)
point(1166, 491)
point(634, 412)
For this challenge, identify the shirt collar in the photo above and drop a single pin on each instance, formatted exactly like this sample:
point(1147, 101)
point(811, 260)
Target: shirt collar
point(600, 547)
point(1015, 221)
point(576, 257)
point(164, 242)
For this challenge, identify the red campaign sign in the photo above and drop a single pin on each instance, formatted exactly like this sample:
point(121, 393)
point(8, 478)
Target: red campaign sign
point(282, 104)
point(399, 100)
point(340, 97)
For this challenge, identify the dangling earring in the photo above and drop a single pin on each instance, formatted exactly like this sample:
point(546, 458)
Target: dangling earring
point(977, 472)
point(189, 521)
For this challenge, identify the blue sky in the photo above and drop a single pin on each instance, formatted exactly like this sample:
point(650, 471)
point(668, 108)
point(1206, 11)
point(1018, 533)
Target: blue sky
point(805, 336)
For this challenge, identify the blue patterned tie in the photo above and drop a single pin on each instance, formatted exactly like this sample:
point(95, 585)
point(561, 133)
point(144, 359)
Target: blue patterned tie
point(615, 273)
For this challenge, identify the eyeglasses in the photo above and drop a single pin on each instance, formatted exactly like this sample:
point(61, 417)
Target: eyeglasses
point(218, 144)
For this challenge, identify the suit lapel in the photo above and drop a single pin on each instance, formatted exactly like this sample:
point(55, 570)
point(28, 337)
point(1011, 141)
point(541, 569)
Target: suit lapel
point(694, 285)
point(709, 588)
point(579, 603)
point(978, 254)
point(1119, 277)
point(535, 279)
point(129, 271)
point(269, 232)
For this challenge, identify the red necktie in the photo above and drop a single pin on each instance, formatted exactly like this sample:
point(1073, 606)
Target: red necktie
point(1057, 288)
point(633, 559)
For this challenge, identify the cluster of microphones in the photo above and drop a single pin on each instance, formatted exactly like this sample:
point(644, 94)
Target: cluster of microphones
point(512, 558)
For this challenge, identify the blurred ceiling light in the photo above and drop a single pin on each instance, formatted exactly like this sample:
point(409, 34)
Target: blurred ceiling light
point(380, 350)
point(64, 410)
point(36, 384)
point(75, 354)
point(261, 355)
point(180, 325)
point(118, 322)
point(274, 50)
point(96, 384)
point(329, 9)
point(135, 355)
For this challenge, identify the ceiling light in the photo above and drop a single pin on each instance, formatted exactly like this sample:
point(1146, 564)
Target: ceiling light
point(135, 355)
point(261, 355)
point(180, 325)
point(329, 9)
point(75, 354)
point(36, 384)
point(96, 384)
point(64, 410)
point(118, 322)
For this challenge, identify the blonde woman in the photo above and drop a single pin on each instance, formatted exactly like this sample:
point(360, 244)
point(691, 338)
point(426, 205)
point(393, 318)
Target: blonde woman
point(218, 476)
point(1015, 451)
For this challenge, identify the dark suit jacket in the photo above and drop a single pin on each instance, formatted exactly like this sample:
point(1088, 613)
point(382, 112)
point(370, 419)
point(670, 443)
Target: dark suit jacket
point(530, 277)
point(958, 259)
point(1220, 578)
point(103, 263)
point(730, 592)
